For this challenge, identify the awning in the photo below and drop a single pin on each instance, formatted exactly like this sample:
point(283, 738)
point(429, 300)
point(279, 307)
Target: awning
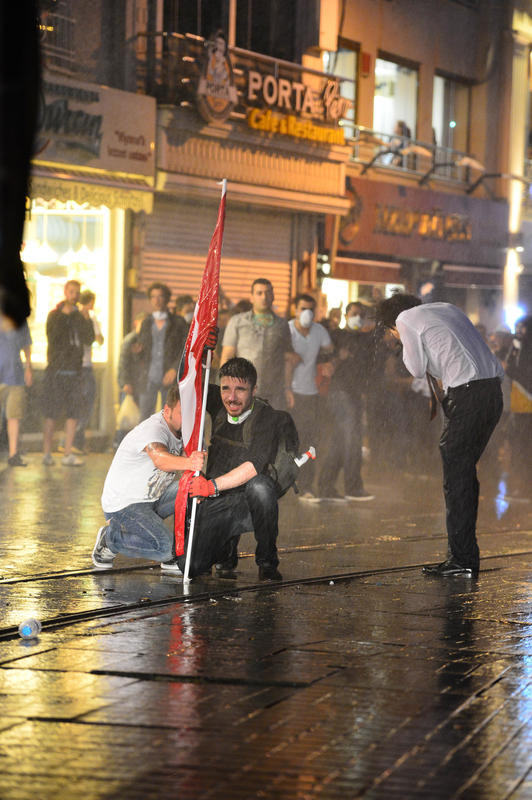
point(366, 271)
point(133, 192)
point(462, 276)
point(251, 194)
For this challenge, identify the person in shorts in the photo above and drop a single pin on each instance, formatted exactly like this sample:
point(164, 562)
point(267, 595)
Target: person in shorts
point(68, 331)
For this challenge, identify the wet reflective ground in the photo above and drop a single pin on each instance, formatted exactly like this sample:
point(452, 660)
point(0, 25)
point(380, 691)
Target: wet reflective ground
point(358, 677)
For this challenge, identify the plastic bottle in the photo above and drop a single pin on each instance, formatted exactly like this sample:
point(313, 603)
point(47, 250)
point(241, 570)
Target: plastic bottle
point(29, 629)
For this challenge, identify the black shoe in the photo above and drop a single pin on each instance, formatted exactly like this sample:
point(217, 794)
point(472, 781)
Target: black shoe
point(17, 461)
point(269, 573)
point(450, 567)
point(225, 570)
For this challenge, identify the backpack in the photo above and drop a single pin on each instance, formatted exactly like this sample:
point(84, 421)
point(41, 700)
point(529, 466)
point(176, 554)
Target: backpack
point(283, 470)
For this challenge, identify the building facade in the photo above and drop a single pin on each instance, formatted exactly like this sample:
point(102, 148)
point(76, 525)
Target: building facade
point(367, 146)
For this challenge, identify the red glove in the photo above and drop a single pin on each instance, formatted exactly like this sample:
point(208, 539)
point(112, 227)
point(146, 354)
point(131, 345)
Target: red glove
point(201, 487)
point(212, 339)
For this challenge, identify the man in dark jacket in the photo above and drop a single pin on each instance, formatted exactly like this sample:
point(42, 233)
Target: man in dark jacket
point(353, 348)
point(67, 331)
point(162, 341)
point(236, 493)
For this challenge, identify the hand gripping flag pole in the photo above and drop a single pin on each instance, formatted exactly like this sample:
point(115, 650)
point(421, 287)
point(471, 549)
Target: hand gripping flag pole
point(193, 396)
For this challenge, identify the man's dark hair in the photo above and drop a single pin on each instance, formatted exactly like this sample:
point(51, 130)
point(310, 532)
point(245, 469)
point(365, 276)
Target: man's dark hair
point(304, 298)
point(162, 287)
point(172, 396)
point(183, 300)
point(354, 303)
point(86, 297)
point(239, 368)
point(388, 310)
point(263, 281)
point(241, 307)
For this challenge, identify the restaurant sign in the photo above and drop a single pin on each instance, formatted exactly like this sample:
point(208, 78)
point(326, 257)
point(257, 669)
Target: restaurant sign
point(280, 105)
point(396, 221)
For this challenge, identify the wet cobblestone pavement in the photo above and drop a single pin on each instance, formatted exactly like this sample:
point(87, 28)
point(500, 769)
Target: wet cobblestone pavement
point(356, 677)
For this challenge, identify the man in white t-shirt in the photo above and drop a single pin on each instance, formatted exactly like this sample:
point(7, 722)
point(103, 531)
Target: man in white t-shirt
point(140, 488)
point(310, 341)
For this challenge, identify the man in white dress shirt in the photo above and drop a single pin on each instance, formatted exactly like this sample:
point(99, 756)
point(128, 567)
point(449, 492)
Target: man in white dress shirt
point(439, 341)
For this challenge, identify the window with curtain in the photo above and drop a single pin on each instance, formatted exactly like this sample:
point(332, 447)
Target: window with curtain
point(395, 98)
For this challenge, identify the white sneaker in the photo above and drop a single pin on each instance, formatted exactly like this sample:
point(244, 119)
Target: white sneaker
point(72, 461)
point(47, 460)
point(171, 566)
point(360, 496)
point(309, 497)
point(102, 557)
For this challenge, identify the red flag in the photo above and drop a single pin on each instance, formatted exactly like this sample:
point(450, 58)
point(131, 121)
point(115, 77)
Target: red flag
point(190, 383)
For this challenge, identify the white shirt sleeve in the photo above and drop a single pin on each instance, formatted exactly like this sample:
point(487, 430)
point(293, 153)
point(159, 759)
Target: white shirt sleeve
point(414, 356)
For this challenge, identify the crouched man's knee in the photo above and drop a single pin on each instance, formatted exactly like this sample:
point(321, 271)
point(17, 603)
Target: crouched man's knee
point(261, 490)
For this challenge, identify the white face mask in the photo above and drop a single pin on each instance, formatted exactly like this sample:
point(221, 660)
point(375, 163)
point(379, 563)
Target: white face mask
point(305, 318)
point(188, 317)
point(354, 322)
point(160, 314)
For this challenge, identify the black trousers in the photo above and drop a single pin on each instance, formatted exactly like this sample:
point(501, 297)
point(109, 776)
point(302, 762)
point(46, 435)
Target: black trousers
point(471, 414)
point(306, 415)
point(221, 520)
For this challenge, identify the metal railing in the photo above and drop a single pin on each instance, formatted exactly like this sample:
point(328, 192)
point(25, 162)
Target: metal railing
point(391, 151)
point(168, 67)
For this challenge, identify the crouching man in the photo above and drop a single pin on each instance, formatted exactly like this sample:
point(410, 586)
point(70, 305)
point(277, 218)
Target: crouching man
point(140, 488)
point(236, 494)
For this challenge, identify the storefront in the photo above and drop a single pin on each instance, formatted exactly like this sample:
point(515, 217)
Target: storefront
point(94, 164)
point(395, 236)
point(273, 133)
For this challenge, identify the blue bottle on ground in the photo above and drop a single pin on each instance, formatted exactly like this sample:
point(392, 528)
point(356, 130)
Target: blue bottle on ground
point(29, 629)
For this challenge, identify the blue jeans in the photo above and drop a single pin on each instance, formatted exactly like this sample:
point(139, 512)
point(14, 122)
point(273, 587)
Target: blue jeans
point(138, 530)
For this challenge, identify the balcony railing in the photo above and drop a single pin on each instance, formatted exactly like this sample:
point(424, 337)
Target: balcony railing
point(394, 152)
point(168, 67)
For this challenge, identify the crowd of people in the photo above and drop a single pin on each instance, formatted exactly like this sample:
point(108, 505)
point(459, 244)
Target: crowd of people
point(352, 383)
point(343, 381)
point(362, 387)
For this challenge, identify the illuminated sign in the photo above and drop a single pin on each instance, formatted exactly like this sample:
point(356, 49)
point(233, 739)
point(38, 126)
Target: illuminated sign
point(290, 125)
point(434, 224)
point(216, 94)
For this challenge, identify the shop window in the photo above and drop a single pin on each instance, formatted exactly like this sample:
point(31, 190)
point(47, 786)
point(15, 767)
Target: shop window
point(450, 113)
point(343, 64)
point(395, 99)
point(56, 28)
point(202, 17)
point(65, 241)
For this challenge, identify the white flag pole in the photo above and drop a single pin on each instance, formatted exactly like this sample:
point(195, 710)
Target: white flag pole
point(186, 579)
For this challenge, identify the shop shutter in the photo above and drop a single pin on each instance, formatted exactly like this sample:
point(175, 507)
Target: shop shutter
point(257, 244)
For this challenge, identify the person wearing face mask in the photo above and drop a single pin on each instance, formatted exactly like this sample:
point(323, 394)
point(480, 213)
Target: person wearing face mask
point(345, 409)
point(519, 370)
point(161, 340)
point(311, 342)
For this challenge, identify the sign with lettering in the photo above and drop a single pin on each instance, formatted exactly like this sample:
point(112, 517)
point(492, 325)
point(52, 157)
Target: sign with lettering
point(406, 222)
point(292, 108)
point(216, 94)
point(87, 125)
